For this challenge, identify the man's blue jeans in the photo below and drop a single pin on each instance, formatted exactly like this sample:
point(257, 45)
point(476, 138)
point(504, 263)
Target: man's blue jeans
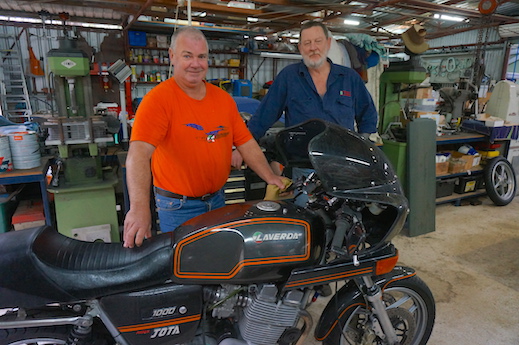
point(173, 212)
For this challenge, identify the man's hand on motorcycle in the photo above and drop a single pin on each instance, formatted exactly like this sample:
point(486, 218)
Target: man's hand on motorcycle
point(277, 192)
point(137, 227)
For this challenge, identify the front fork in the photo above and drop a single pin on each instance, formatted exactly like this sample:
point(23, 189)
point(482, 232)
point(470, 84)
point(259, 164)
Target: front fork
point(382, 324)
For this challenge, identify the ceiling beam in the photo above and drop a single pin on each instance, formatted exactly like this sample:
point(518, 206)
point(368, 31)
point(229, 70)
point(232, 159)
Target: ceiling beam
point(457, 10)
point(136, 15)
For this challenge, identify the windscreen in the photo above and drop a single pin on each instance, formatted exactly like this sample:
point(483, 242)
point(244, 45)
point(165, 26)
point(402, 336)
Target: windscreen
point(342, 159)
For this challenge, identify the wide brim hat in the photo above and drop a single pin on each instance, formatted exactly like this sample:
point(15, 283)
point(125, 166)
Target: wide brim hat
point(414, 39)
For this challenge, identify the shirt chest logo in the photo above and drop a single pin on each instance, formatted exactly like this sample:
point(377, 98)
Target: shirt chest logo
point(212, 135)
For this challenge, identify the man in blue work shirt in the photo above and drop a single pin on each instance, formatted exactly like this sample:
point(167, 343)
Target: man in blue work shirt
point(315, 88)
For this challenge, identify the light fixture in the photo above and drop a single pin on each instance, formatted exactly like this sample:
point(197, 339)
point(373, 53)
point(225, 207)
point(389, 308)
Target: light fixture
point(241, 4)
point(448, 17)
point(509, 30)
point(351, 22)
point(59, 22)
point(260, 38)
point(252, 19)
point(281, 55)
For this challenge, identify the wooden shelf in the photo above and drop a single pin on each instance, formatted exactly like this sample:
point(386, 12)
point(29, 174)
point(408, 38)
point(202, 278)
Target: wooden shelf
point(458, 197)
point(219, 51)
point(149, 64)
point(478, 169)
point(218, 66)
point(148, 82)
point(148, 48)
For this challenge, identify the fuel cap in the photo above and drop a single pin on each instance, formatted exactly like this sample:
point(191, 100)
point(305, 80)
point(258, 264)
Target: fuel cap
point(268, 206)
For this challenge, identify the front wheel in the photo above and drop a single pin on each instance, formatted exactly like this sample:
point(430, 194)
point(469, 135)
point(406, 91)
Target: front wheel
point(410, 306)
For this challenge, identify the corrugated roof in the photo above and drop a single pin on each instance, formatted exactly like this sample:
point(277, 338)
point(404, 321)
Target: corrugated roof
point(376, 18)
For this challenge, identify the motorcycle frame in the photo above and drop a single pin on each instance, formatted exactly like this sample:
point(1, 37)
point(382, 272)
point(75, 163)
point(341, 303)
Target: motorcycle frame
point(86, 320)
point(365, 285)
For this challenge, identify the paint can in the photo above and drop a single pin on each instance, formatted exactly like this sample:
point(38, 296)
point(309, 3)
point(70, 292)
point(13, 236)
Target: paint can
point(25, 150)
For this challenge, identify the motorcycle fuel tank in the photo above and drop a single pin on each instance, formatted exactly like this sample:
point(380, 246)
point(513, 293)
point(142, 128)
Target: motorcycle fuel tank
point(246, 243)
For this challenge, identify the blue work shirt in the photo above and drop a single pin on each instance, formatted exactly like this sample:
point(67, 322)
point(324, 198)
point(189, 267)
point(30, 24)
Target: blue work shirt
point(346, 102)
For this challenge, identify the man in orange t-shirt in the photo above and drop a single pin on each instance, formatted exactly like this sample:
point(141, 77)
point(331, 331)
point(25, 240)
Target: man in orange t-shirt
point(183, 135)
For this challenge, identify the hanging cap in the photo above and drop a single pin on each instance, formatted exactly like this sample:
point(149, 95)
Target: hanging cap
point(414, 39)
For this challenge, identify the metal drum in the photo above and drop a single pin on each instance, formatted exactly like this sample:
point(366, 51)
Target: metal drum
point(25, 150)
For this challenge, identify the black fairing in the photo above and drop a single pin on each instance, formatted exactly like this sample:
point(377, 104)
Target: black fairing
point(348, 165)
point(241, 244)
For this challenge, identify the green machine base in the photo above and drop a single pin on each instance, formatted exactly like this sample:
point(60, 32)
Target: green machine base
point(398, 73)
point(90, 206)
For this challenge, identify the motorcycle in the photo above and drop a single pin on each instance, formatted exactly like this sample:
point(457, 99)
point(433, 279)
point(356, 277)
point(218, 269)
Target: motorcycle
point(242, 274)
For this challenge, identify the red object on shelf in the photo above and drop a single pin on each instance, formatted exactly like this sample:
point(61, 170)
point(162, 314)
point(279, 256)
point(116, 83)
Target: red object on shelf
point(28, 211)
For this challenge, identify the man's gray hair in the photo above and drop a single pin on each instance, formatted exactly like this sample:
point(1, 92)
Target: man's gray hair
point(310, 24)
point(189, 31)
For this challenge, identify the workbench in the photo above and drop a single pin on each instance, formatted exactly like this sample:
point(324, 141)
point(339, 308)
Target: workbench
point(21, 176)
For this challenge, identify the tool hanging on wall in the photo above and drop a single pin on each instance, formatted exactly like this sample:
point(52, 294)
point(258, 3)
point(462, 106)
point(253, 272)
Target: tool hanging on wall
point(34, 64)
point(486, 8)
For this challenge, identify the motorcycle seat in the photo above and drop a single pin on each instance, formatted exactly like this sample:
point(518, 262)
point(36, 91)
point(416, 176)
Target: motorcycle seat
point(89, 269)
point(66, 269)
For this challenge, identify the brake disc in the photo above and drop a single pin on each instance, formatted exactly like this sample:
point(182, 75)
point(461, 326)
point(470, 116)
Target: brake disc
point(404, 323)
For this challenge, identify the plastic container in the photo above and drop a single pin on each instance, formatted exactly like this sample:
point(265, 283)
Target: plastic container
point(242, 87)
point(466, 184)
point(137, 38)
point(445, 187)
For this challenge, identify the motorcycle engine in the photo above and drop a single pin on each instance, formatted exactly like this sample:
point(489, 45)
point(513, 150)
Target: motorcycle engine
point(262, 316)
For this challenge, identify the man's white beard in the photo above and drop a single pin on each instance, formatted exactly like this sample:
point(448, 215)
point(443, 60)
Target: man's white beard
point(314, 64)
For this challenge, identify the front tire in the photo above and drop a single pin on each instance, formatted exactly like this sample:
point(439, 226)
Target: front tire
point(411, 308)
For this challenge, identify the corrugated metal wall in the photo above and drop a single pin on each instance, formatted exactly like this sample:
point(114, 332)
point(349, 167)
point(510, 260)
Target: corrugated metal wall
point(41, 41)
point(494, 54)
point(259, 69)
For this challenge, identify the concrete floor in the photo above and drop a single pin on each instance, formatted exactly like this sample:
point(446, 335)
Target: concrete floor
point(471, 264)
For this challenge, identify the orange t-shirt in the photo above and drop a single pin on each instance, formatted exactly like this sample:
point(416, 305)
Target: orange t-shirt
point(193, 139)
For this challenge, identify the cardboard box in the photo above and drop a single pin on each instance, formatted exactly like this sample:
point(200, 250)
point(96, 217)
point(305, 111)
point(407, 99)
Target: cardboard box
point(420, 104)
point(422, 92)
point(28, 214)
point(162, 41)
point(233, 62)
point(442, 168)
point(491, 121)
point(28, 225)
point(470, 160)
point(457, 165)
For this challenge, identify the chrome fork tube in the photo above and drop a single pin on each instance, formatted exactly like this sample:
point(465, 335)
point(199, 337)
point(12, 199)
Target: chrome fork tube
point(373, 294)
